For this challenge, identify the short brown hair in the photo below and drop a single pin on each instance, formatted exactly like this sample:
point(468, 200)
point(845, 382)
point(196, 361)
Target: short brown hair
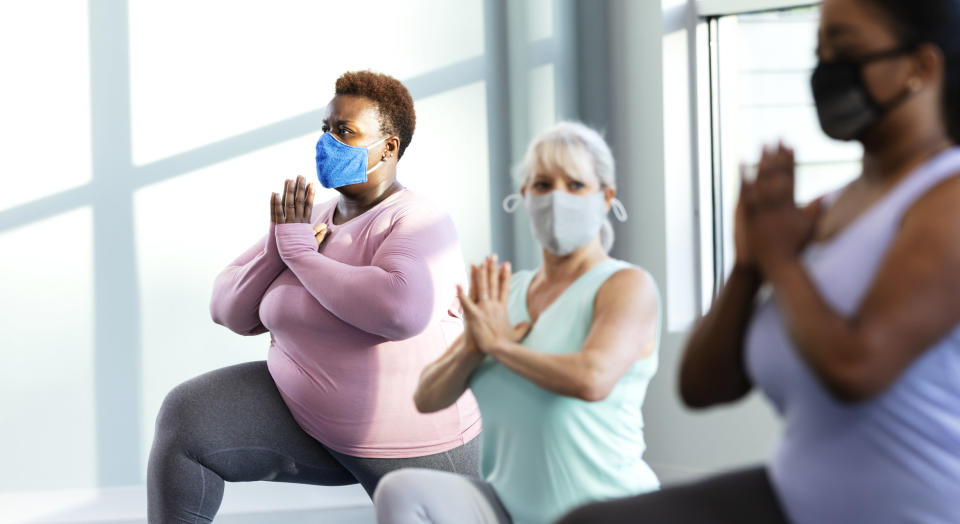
point(394, 102)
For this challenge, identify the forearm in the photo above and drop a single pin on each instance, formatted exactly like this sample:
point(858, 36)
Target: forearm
point(391, 304)
point(570, 375)
point(238, 289)
point(712, 370)
point(444, 381)
point(829, 343)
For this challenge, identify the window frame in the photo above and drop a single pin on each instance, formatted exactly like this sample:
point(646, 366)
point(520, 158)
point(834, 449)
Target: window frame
point(710, 198)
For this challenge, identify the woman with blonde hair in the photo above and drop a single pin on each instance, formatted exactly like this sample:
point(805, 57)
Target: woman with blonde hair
point(558, 358)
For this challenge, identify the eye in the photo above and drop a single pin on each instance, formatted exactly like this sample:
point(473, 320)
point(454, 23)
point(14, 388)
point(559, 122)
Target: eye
point(541, 185)
point(576, 186)
point(343, 131)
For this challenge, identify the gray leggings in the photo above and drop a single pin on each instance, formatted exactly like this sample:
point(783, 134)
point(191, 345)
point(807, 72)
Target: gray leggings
point(231, 424)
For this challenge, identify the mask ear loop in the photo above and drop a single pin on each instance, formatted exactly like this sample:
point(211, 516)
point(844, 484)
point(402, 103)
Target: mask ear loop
point(383, 158)
point(512, 202)
point(618, 210)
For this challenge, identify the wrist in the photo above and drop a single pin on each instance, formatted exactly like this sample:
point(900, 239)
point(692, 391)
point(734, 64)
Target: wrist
point(779, 271)
point(748, 269)
point(294, 238)
point(469, 345)
point(500, 347)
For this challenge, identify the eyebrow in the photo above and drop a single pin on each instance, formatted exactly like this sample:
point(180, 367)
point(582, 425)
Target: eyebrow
point(325, 121)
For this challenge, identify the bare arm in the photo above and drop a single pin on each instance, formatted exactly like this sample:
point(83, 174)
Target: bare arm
point(623, 330)
point(914, 302)
point(445, 380)
point(712, 370)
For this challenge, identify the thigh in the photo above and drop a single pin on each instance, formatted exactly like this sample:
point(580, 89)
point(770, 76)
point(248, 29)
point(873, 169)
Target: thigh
point(743, 497)
point(462, 460)
point(414, 496)
point(234, 422)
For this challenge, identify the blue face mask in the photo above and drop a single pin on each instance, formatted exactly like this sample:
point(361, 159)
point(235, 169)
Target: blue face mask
point(339, 164)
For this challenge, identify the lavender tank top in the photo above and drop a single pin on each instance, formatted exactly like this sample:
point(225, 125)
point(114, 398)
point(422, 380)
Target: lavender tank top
point(894, 458)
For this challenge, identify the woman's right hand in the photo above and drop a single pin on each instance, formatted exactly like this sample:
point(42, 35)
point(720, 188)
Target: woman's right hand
point(296, 204)
point(487, 321)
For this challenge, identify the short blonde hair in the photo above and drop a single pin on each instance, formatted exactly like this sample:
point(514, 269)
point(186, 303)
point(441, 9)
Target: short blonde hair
point(577, 150)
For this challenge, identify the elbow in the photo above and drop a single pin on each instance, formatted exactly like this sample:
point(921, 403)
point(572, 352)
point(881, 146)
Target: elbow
point(592, 387)
point(219, 314)
point(691, 394)
point(399, 324)
point(854, 373)
point(234, 321)
point(692, 399)
point(853, 383)
point(701, 391)
point(423, 403)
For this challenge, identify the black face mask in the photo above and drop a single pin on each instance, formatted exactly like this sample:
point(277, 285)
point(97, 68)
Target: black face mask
point(844, 105)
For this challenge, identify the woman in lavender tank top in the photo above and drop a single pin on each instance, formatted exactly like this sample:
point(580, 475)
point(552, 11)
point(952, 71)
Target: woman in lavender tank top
point(846, 312)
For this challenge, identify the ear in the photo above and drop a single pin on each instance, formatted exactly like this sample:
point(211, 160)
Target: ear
point(929, 65)
point(392, 147)
point(523, 191)
point(609, 194)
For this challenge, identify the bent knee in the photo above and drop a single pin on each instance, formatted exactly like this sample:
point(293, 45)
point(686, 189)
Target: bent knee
point(181, 412)
point(398, 495)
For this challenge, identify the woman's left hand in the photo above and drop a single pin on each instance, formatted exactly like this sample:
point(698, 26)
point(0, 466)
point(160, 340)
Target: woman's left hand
point(777, 230)
point(296, 204)
point(486, 315)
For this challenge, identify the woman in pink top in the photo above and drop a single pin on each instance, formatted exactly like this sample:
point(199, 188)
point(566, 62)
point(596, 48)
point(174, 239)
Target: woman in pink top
point(358, 295)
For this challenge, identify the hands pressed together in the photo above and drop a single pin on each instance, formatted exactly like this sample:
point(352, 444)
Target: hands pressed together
point(488, 326)
point(770, 230)
point(295, 206)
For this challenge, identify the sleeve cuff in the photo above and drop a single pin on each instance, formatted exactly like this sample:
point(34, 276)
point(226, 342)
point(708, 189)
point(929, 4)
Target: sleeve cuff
point(295, 239)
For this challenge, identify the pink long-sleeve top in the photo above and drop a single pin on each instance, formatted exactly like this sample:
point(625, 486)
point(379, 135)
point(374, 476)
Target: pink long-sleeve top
point(353, 325)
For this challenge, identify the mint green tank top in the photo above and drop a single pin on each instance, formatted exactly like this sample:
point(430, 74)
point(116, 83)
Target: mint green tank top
point(546, 454)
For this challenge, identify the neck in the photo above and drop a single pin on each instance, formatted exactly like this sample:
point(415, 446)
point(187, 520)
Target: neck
point(891, 155)
point(353, 204)
point(569, 267)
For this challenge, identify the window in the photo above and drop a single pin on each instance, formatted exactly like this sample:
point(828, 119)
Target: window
point(759, 83)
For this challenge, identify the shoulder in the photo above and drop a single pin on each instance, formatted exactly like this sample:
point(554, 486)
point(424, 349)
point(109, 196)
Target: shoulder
point(941, 198)
point(409, 206)
point(628, 284)
point(932, 222)
point(410, 216)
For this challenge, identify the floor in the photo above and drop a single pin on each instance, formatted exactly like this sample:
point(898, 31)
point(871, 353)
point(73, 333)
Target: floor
point(243, 503)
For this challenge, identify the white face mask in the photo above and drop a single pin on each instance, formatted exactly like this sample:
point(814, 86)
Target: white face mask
point(562, 222)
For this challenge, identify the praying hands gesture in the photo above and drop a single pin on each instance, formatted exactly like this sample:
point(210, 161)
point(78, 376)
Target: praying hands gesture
point(770, 228)
point(296, 206)
point(485, 309)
